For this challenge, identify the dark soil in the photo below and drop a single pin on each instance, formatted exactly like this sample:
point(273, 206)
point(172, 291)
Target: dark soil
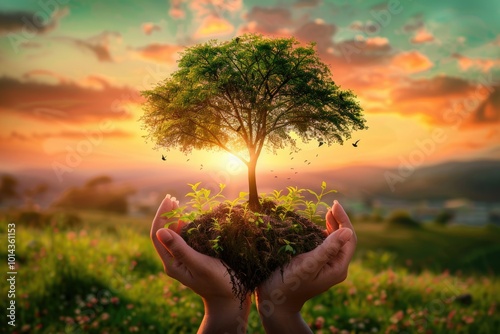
point(252, 245)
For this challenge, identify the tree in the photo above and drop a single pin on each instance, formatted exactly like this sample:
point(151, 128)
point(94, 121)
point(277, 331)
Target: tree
point(246, 94)
point(8, 186)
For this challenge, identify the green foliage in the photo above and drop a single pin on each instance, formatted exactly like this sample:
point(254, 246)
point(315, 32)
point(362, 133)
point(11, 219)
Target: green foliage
point(8, 186)
point(402, 219)
point(90, 280)
point(247, 94)
point(202, 201)
point(444, 217)
point(99, 193)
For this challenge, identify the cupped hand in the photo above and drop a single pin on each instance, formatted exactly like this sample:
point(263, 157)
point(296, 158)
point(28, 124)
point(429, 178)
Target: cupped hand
point(311, 273)
point(203, 274)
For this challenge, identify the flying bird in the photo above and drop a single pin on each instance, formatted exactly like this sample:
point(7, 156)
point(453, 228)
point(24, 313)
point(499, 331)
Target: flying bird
point(275, 176)
point(291, 158)
point(320, 144)
point(163, 157)
point(356, 143)
point(201, 166)
point(188, 159)
point(309, 163)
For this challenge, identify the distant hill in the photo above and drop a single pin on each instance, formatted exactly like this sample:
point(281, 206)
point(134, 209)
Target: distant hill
point(475, 180)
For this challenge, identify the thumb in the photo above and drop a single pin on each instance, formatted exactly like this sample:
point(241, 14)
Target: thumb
point(176, 246)
point(333, 243)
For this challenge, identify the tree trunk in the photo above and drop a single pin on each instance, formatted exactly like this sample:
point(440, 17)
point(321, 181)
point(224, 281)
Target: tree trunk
point(253, 196)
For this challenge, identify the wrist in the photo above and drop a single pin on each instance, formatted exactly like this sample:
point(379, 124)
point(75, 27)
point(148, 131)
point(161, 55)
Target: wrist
point(279, 315)
point(224, 315)
point(283, 321)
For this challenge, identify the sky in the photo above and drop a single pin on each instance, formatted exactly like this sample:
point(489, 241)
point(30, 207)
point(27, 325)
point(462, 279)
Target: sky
point(425, 72)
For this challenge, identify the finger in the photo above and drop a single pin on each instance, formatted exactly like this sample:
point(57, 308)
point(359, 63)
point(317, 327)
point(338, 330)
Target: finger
point(341, 218)
point(177, 227)
point(331, 223)
point(166, 205)
point(344, 222)
point(313, 261)
point(179, 249)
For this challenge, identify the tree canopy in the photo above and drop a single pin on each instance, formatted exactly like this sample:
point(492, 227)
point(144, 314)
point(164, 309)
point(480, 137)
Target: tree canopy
point(246, 94)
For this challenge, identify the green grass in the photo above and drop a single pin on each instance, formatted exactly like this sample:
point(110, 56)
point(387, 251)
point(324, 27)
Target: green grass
point(104, 277)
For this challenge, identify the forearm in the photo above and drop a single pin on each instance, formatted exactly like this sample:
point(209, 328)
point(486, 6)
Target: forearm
point(225, 316)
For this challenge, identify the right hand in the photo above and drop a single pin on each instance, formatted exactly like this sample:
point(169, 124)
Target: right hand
point(309, 274)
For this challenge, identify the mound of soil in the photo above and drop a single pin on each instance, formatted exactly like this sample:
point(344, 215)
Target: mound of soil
point(252, 245)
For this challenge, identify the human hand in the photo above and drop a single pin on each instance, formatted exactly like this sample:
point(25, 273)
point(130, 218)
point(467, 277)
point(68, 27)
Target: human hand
point(280, 298)
point(203, 274)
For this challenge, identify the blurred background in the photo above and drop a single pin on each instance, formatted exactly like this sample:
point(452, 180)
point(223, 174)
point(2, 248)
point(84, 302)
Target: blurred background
point(82, 184)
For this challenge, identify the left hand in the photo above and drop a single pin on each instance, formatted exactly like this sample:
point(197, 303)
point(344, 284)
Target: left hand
point(203, 274)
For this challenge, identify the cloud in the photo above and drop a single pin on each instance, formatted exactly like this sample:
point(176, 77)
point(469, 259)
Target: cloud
point(483, 64)
point(78, 134)
point(213, 26)
point(30, 22)
point(202, 8)
point(67, 134)
point(412, 61)
point(371, 51)
point(99, 45)
point(489, 110)
point(422, 36)
point(267, 20)
point(65, 101)
point(176, 11)
point(496, 42)
point(47, 74)
point(160, 53)
point(148, 28)
point(438, 87)
point(317, 31)
point(415, 23)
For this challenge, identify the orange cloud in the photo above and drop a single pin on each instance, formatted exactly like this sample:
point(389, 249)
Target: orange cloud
point(377, 41)
point(176, 10)
point(148, 28)
point(484, 64)
point(214, 25)
point(422, 36)
point(67, 102)
point(489, 110)
point(412, 61)
point(161, 53)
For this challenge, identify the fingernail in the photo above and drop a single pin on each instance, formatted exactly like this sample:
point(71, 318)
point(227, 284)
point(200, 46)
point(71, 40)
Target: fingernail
point(345, 234)
point(163, 234)
point(167, 196)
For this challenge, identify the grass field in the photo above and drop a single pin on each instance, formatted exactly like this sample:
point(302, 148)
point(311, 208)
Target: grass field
point(103, 276)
